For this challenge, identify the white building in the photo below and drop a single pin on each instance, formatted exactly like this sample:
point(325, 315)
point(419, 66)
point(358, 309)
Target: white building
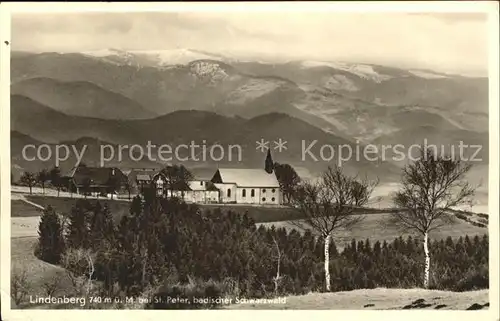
point(247, 186)
point(201, 191)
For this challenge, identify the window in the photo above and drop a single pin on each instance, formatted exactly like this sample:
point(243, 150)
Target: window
point(263, 190)
point(263, 199)
point(228, 192)
point(201, 183)
point(273, 199)
point(273, 190)
point(252, 193)
point(244, 193)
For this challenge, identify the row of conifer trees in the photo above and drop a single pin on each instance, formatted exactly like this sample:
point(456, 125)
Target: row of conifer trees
point(168, 247)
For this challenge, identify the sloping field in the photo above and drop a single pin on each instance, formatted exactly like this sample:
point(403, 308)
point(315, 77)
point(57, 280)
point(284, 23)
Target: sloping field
point(377, 299)
point(375, 227)
point(38, 272)
point(65, 204)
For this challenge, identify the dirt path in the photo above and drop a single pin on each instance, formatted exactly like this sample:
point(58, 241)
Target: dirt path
point(21, 197)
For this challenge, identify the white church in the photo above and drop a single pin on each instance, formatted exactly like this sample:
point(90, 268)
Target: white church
point(247, 186)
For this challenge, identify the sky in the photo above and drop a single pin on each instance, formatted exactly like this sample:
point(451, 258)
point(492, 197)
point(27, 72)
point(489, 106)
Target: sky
point(446, 42)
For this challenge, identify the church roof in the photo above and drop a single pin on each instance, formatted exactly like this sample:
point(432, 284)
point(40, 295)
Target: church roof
point(244, 177)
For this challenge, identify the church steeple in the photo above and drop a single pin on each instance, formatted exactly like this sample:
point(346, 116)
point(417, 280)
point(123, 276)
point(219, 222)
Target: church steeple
point(269, 164)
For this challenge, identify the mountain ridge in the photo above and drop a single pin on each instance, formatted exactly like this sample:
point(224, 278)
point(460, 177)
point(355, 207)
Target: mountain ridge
point(80, 98)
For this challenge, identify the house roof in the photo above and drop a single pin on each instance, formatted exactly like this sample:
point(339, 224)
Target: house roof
point(243, 177)
point(99, 176)
point(195, 185)
point(202, 173)
point(142, 175)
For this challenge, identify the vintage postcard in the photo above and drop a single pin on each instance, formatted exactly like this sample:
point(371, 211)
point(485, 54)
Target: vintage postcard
point(291, 156)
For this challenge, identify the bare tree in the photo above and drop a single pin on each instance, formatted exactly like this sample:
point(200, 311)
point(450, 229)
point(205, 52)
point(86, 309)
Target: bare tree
point(28, 179)
point(55, 179)
point(53, 284)
point(19, 285)
point(278, 256)
point(431, 187)
point(128, 184)
point(79, 266)
point(42, 177)
point(329, 204)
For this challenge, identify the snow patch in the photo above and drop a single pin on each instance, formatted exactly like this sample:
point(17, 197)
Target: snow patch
point(210, 71)
point(103, 53)
point(173, 57)
point(427, 74)
point(160, 58)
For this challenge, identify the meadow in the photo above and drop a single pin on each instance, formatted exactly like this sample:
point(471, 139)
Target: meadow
point(375, 228)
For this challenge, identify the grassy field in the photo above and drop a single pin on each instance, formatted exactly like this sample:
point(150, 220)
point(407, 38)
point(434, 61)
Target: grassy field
point(38, 272)
point(121, 207)
point(374, 227)
point(271, 214)
point(22, 209)
point(377, 299)
point(64, 204)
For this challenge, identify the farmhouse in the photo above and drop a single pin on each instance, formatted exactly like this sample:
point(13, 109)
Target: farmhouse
point(94, 180)
point(139, 179)
point(247, 186)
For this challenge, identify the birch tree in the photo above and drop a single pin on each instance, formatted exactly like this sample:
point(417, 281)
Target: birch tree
point(431, 187)
point(329, 205)
point(278, 256)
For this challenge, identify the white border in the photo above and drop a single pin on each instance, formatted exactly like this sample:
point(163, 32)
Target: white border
point(490, 7)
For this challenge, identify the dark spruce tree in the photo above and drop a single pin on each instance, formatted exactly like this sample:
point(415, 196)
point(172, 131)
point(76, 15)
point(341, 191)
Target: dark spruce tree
point(288, 180)
point(78, 229)
point(50, 237)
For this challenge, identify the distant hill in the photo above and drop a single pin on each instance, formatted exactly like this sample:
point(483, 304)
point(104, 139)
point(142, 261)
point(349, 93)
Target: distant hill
point(202, 128)
point(80, 98)
point(209, 97)
point(347, 99)
point(91, 155)
point(334, 90)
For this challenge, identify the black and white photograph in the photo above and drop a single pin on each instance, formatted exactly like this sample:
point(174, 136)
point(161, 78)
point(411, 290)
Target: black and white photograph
point(250, 160)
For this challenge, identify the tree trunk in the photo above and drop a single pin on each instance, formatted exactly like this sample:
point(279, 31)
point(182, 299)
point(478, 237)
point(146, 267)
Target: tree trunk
point(144, 262)
point(30, 189)
point(427, 260)
point(327, 263)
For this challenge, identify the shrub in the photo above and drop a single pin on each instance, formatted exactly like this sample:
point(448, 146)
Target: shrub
point(19, 285)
